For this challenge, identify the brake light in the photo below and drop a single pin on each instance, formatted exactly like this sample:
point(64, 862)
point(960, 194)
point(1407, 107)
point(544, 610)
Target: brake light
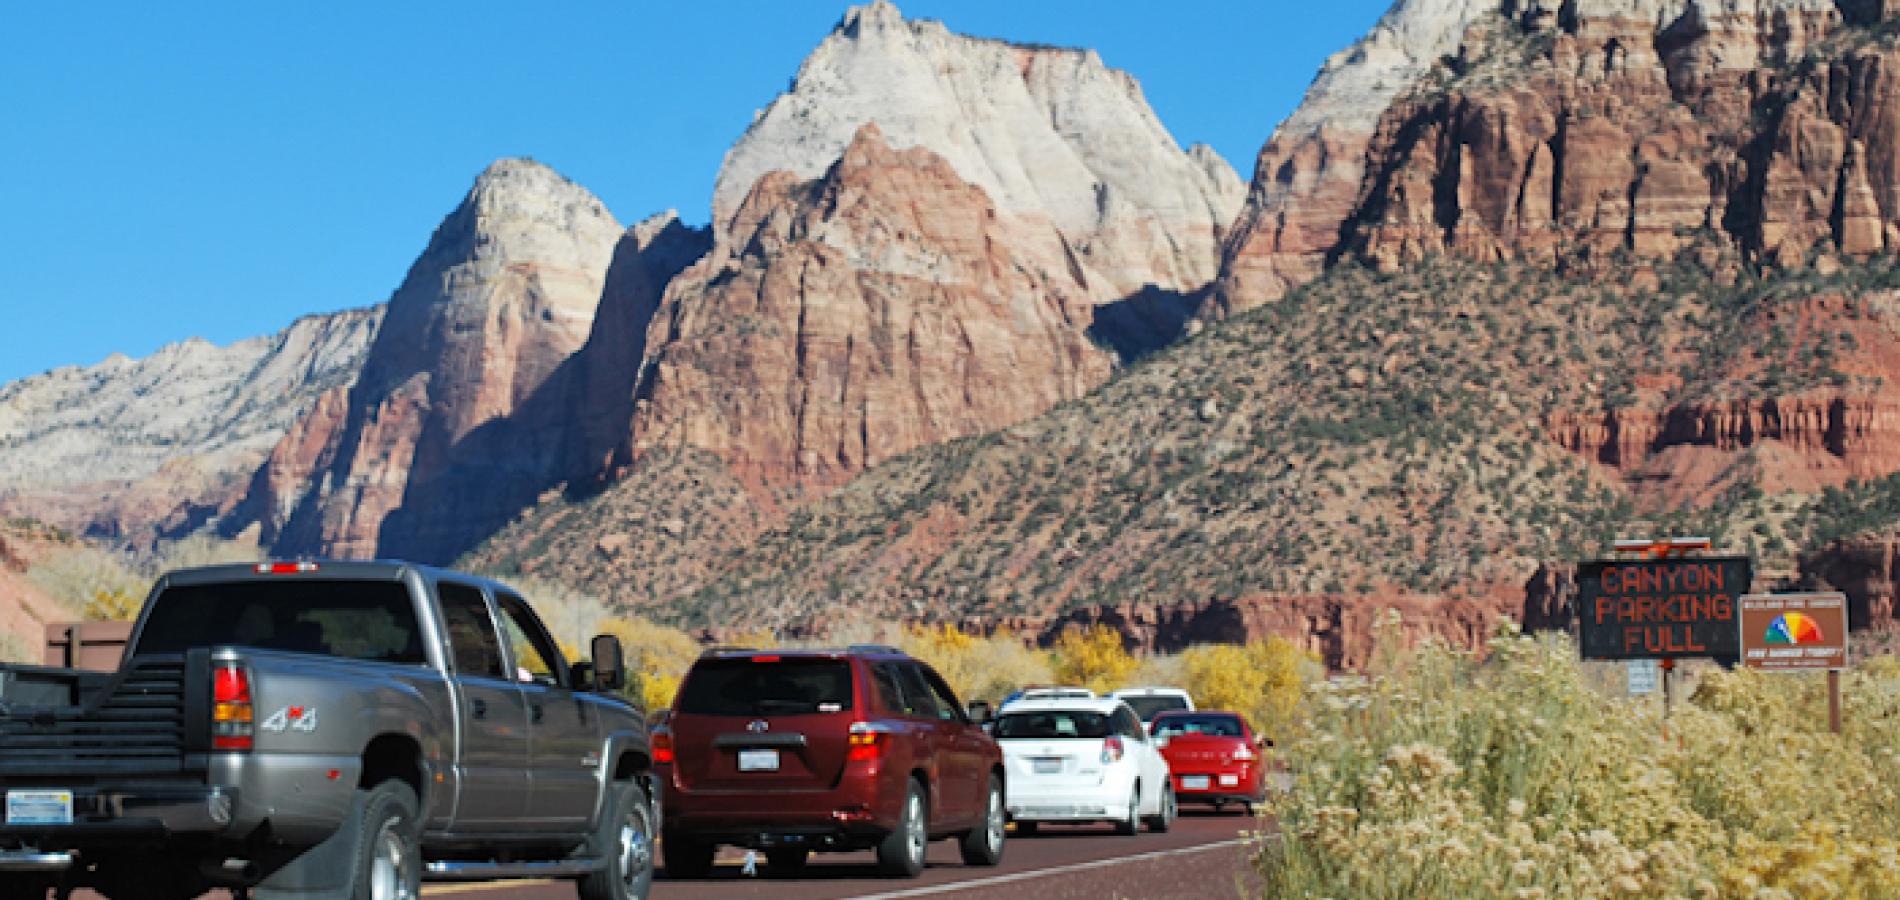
point(1112, 750)
point(231, 714)
point(663, 749)
point(866, 743)
point(284, 568)
point(765, 659)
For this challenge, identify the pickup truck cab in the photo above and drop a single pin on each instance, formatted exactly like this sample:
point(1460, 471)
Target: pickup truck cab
point(325, 730)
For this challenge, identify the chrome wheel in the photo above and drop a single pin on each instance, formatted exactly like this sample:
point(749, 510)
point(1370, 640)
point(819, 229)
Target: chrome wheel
point(915, 834)
point(389, 867)
point(993, 827)
point(636, 850)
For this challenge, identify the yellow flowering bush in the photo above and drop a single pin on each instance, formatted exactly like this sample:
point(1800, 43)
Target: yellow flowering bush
point(1094, 658)
point(1262, 680)
point(1507, 776)
point(977, 668)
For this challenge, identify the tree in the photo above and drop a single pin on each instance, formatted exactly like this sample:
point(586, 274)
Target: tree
point(1095, 659)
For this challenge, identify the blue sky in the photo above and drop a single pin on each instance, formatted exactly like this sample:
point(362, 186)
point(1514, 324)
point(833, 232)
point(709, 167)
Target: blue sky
point(217, 170)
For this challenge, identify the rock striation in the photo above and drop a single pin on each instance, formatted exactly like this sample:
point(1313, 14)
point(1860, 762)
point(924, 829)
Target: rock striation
point(884, 306)
point(137, 450)
point(1050, 135)
point(430, 434)
point(1526, 128)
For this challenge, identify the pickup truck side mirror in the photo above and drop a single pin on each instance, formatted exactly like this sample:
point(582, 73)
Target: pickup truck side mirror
point(980, 712)
point(610, 666)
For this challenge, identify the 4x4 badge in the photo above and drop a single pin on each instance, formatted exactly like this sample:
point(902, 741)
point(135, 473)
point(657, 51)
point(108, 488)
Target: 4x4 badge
point(758, 725)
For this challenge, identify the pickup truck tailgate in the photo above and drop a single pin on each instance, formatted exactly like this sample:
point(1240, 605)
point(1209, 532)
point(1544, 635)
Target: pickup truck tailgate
point(140, 723)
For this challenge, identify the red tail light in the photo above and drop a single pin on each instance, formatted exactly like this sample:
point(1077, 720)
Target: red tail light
point(662, 749)
point(231, 714)
point(1111, 749)
point(866, 743)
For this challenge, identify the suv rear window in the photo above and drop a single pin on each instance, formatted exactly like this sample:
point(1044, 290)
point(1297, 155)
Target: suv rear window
point(744, 686)
point(371, 620)
point(1153, 705)
point(1060, 724)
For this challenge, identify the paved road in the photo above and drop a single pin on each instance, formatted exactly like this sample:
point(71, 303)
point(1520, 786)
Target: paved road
point(1203, 856)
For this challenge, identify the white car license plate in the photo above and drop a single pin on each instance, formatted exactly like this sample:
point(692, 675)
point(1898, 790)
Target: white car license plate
point(758, 760)
point(39, 807)
point(1047, 765)
point(1194, 782)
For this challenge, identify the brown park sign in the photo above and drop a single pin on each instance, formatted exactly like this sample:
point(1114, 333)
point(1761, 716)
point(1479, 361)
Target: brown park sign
point(1784, 632)
point(1660, 608)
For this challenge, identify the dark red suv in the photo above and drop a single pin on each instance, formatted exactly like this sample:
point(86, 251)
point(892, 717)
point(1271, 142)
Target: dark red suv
point(792, 752)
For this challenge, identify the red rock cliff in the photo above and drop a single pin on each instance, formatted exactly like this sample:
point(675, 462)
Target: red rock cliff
point(1601, 123)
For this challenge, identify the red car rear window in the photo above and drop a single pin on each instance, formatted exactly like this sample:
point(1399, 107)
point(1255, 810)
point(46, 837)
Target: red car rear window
point(1212, 726)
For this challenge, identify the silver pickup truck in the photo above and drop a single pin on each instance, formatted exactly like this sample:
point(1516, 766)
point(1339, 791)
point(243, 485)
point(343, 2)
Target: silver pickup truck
point(325, 730)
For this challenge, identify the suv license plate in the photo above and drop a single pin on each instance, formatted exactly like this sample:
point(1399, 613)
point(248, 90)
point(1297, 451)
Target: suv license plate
point(1194, 782)
point(39, 807)
point(1048, 765)
point(758, 760)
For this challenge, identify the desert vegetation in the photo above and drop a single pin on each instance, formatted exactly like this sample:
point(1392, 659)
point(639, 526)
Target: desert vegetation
point(1508, 775)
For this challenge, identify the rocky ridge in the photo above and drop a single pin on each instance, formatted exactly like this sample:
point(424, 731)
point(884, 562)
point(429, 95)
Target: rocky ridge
point(137, 450)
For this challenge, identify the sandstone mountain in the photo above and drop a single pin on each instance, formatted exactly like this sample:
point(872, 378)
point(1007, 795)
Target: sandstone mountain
point(1051, 136)
point(929, 236)
point(1526, 128)
point(436, 433)
point(1524, 277)
point(139, 450)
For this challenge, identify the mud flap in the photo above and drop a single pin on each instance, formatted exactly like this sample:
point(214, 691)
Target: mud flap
point(322, 872)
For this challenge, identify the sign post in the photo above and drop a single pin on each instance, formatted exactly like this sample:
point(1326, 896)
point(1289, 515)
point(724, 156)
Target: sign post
point(1801, 632)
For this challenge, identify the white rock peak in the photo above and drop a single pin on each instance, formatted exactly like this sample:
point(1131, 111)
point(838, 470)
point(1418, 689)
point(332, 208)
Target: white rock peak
point(1043, 131)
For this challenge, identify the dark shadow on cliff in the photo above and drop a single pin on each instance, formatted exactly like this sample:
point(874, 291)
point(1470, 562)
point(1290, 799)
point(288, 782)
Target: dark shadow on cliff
point(1143, 322)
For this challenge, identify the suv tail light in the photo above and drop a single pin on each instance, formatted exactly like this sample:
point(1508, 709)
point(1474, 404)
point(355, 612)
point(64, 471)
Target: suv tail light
point(231, 714)
point(662, 748)
point(1111, 750)
point(1243, 753)
point(866, 742)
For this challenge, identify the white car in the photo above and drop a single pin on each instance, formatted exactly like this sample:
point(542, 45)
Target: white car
point(1082, 759)
point(1148, 702)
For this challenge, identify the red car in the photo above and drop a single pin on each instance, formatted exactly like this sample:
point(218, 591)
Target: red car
point(1214, 756)
point(792, 752)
